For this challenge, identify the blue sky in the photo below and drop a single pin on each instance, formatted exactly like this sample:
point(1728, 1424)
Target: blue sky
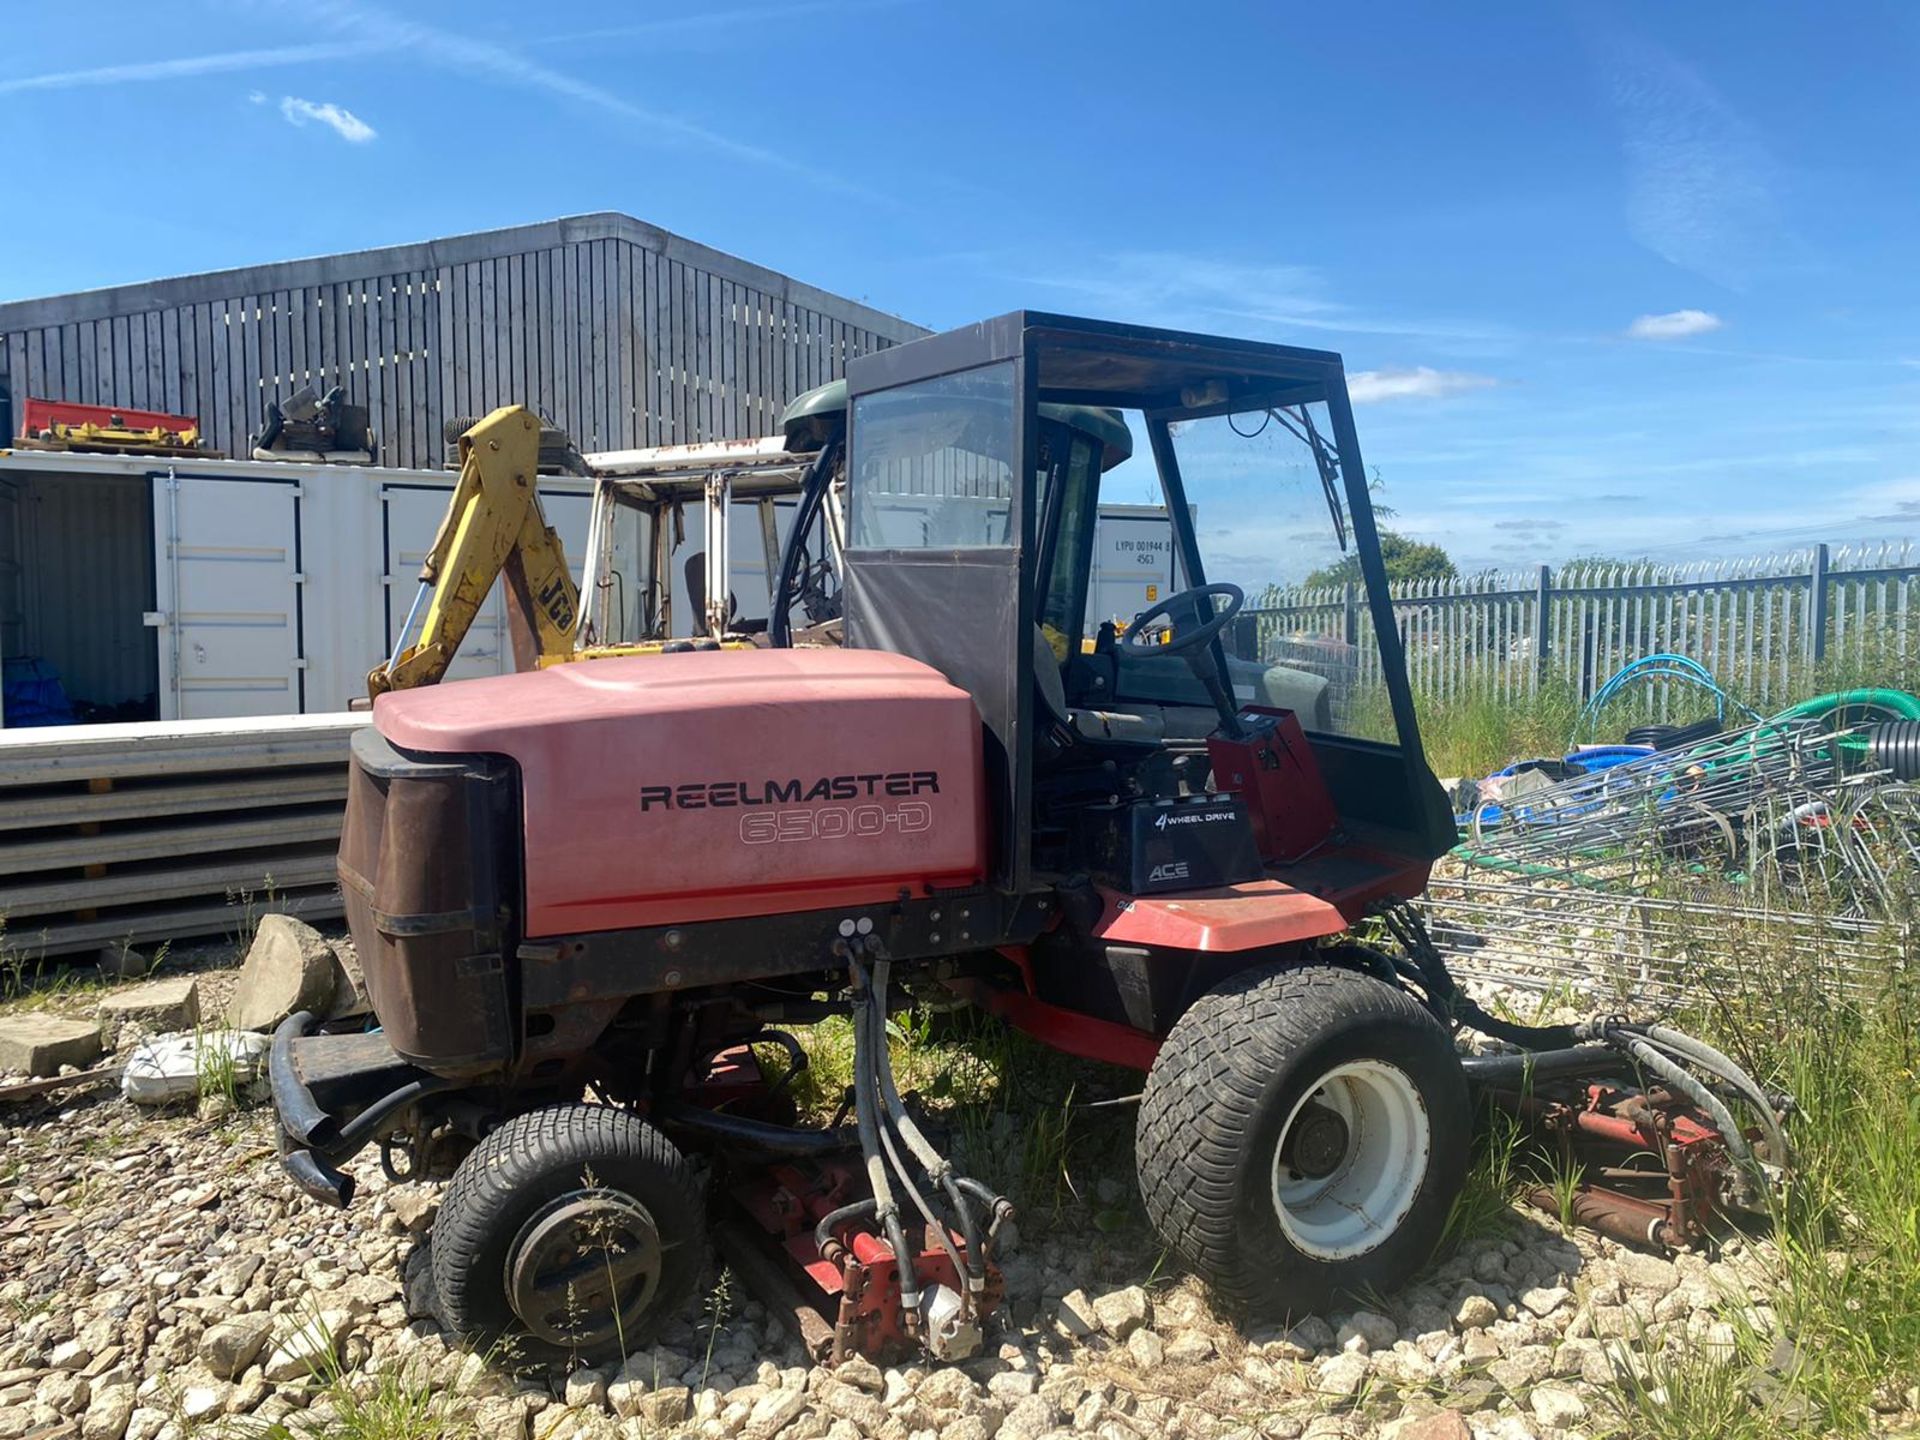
point(1629, 278)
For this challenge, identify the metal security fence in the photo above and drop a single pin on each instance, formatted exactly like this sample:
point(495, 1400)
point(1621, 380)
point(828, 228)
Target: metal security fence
point(1763, 625)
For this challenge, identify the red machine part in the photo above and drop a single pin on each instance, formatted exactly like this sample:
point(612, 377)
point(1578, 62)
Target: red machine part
point(1669, 1203)
point(863, 778)
point(44, 415)
point(1287, 798)
point(858, 1290)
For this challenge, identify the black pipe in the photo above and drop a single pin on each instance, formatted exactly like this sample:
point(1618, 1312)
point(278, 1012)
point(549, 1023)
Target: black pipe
point(1514, 1070)
point(969, 1227)
point(300, 1114)
point(365, 1127)
point(869, 1029)
point(317, 1178)
point(833, 1220)
point(1895, 746)
point(760, 1134)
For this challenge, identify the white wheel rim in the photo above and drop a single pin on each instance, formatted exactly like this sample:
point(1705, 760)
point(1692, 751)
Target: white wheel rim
point(1360, 1204)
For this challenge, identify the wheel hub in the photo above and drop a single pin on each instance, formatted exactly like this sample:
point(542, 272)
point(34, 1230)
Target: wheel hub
point(1317, 1142)
point(584, 1267)
point(1351, 1160)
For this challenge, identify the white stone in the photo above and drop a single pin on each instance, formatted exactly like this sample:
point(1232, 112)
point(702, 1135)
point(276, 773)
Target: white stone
point(1373, 1331)
point(1075, 1315)
point(1122, 1312)
point(1340, 1377)
point(313, 1346)
point(773, 1412)
point(1189, 1347)
point(1544, 1300)
point(1148, 1350)
point(197, 1402)
point(585, 1390)
point(1647, 1273)
point(1557, 1408)
point(289, 967)
point(231, 1346)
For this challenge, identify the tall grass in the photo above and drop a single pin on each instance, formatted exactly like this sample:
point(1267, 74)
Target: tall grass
point(1835, 1340)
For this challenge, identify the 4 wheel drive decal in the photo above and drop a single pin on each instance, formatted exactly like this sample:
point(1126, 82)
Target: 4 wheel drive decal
point(747, 794)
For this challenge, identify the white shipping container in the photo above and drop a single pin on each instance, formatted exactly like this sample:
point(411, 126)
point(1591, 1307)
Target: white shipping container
point(1134, 565)
point(197, 589)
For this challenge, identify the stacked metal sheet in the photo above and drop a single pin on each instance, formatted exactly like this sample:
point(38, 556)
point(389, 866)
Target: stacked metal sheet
point(116, 835)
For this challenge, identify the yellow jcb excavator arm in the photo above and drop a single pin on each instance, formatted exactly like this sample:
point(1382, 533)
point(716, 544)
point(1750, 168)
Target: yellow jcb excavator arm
point(493, 526)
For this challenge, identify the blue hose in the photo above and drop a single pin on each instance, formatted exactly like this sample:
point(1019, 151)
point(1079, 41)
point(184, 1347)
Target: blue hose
point(1663, 666)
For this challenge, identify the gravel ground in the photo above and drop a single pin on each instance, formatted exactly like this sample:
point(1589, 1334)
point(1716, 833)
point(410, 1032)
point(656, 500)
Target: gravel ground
point(159, 1277)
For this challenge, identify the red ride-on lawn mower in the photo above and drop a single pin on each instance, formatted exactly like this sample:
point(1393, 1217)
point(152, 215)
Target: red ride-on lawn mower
point(1146, 848)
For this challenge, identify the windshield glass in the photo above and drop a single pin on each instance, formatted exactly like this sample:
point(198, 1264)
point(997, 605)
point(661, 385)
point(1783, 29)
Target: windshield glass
point(1270, 513)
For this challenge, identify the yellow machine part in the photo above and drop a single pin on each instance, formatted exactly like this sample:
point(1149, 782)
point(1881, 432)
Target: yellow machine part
point(636, 647)
point(493, 526)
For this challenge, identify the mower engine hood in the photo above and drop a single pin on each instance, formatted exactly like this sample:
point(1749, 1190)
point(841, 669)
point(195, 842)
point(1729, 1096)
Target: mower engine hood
point(674, 788)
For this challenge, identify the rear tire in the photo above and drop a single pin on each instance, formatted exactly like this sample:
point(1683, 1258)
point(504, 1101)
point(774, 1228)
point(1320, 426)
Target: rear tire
point(1303, 1134)
point(575, 1230)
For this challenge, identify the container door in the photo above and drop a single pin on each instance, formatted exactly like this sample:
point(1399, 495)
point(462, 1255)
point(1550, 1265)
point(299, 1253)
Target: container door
point(227, 577)
point(1133, 564)
point(413, 515)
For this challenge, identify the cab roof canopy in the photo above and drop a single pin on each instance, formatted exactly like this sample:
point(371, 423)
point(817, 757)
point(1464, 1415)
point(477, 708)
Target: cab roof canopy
point(805, 421)
point(1167, 374)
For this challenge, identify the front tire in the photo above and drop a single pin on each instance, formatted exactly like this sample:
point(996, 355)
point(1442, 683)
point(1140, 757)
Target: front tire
point(1303, 1134)
point(571, 1231)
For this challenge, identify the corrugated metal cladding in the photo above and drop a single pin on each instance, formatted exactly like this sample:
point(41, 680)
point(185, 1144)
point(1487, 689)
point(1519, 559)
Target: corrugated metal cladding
point(618, 331)
point(85, 553)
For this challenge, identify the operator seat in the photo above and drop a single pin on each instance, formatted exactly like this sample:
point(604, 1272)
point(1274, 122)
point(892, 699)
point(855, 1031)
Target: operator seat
point(1101, 734)
point(695, 571)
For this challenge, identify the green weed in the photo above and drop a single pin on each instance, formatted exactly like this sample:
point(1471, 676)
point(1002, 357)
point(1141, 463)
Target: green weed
point(216, 1070)
point(1484, 1206)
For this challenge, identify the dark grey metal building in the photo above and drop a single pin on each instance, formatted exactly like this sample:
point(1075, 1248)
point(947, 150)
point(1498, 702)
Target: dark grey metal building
point(618, 331)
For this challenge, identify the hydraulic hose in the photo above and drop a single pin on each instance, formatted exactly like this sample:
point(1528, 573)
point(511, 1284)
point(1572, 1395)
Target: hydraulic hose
point(834, 1219)
point(1680, 1079)
point(938, 1168)
point(931, 1159)
point(866, 1113)
point(813, 490)
point(935, 1225)
point(863, 1107)
point(998, 1207)
point(1405, 925)
point(1716, 1062)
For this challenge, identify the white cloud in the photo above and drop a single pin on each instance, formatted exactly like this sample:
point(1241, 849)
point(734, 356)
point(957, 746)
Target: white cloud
point(462, 52)
point(1700, 180)
point(372, 31)
point(256, 97)
point(1422, 381)
point(1206, 293)
point(1674, 325)
point(187, 66)
point(343, 122)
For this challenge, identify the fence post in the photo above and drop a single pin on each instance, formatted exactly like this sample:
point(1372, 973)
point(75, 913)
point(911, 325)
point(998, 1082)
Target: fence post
point(1352, 614)
point(1542, 597)
point(1817, 607)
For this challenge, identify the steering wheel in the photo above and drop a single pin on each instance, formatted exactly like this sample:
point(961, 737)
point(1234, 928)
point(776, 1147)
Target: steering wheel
point(1185, 641)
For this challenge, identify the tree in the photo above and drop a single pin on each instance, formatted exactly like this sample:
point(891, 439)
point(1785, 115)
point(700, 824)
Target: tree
point(1405, 560)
